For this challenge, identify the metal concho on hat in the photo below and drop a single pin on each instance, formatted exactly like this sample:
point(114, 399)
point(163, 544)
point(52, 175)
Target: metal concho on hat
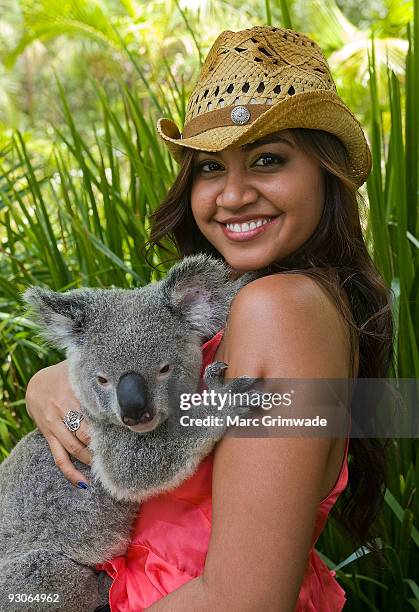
point(240, 115)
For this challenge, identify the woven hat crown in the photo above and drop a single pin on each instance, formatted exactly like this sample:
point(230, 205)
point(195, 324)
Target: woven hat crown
point(261, 65)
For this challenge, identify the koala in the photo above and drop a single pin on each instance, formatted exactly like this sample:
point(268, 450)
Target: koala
point(131, 353)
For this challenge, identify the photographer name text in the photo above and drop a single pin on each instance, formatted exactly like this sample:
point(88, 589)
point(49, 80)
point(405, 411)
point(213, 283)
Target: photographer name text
point(266, 420)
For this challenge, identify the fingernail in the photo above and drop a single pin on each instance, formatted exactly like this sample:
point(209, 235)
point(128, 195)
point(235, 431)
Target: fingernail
point(82, 485)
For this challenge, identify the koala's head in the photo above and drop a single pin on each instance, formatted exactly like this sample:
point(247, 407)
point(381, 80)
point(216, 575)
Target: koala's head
point(132, 352)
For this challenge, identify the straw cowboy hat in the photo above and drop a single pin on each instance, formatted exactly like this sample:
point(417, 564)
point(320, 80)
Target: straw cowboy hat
point(259, 81)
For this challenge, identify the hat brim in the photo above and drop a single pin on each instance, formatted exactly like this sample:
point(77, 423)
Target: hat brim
point(316, 110)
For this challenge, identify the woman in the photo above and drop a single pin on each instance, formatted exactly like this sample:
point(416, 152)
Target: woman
point(271, 159)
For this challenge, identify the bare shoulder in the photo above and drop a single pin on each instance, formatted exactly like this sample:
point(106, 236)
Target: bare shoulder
point(285, 325)
point(297, 289)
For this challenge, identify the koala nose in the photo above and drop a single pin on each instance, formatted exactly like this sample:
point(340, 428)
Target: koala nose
point(132, 399)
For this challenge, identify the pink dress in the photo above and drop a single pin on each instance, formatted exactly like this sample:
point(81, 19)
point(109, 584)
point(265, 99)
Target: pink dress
point(171, 537)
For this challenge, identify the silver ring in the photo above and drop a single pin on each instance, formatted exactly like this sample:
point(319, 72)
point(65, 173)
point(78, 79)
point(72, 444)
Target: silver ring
point(72, 420)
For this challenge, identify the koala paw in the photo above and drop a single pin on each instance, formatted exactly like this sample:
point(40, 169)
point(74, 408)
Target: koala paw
point(213, 375)
point(214, 379)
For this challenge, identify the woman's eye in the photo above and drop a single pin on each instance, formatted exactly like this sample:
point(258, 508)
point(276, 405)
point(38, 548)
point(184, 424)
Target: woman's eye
point(210, 163)
point(272, 159)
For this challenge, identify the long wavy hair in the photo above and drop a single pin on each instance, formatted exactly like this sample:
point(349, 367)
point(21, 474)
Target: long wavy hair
point(336, 257)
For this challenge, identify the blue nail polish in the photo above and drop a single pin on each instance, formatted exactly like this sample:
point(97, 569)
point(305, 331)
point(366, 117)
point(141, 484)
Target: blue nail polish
point(82, 485)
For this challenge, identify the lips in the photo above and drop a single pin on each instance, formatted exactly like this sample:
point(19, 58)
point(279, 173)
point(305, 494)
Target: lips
point(248, 225)
point(250, 234)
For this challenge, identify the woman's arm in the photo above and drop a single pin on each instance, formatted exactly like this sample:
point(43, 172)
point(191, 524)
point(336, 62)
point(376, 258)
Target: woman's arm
point(49, 397)
point(266, 491)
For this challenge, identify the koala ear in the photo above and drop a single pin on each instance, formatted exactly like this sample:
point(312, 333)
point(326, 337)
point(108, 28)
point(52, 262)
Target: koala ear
point(198, 287)
point(61, 316)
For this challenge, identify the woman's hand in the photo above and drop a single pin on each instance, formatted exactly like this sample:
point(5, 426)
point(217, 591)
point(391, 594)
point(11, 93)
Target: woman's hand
point(48, 399)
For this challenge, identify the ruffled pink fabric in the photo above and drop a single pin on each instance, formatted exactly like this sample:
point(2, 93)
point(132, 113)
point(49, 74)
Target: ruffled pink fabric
point(169, 545)
point(171, 537)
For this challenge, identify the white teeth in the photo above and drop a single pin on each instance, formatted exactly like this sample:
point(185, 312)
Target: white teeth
point(246, 227)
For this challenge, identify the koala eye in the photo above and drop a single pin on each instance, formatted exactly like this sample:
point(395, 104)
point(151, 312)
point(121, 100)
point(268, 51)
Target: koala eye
point(164, 368)
point(102, 380)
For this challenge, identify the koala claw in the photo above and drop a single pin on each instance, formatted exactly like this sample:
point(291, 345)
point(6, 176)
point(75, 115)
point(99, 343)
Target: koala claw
point(213, 372)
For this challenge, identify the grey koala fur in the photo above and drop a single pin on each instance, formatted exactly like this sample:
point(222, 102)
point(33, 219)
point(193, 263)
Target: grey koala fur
point(52, 534)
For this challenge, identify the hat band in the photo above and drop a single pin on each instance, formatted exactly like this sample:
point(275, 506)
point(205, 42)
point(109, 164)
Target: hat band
point(221, 118)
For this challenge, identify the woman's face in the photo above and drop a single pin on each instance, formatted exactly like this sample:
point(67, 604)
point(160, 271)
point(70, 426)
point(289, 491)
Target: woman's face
point(272, 182)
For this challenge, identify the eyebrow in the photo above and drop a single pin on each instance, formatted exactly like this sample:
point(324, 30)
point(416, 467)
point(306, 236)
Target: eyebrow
point(257, 143)
point(266, 140)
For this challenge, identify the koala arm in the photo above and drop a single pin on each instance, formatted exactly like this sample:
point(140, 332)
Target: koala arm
point(266, 491)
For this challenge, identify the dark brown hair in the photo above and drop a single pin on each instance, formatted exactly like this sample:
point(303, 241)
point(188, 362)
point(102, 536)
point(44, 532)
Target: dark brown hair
point(336, 257)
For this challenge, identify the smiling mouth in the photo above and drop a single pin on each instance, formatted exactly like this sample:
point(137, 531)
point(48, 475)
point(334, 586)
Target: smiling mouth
point(248, 229)
point(248, 225)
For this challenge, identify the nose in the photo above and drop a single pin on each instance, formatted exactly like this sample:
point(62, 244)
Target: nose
point(237, 190)
point(132, 399)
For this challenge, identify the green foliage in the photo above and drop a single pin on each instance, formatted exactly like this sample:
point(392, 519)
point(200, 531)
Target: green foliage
point(76, 191)
point(76, 219)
